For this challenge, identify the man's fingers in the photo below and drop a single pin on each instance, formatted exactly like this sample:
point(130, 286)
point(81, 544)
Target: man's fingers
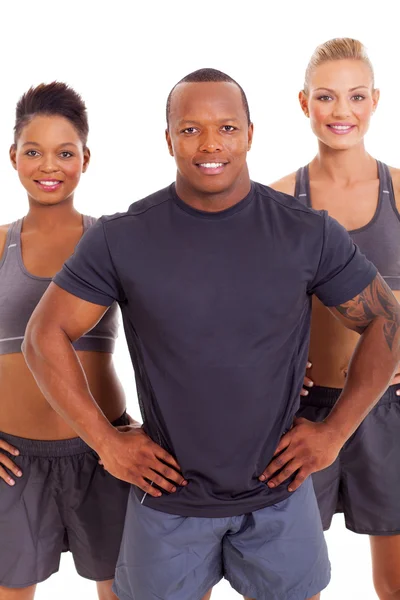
point(308, 365)
point(8, 448)
point(161, 482)
point(284, 442)
point(5, 476)
point(165, 456)
point(134, 478)
point(168, 473)
point(148, 488)
point(290, 468)
point(299, 479)
point(303, 392)
point(7, 462)
point(275, 465)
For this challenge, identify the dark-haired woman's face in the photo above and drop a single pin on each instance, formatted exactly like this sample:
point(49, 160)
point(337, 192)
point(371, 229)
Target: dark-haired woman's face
point(50, 158)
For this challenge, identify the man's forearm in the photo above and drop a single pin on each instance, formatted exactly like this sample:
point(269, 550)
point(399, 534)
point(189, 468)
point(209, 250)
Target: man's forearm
point(59, 374)
point(371, 369)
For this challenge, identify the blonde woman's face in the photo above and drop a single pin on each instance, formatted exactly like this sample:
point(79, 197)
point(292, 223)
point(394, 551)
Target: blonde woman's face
point(340, 102)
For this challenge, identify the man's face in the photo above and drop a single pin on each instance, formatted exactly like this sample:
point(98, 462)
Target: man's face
point(209, 136)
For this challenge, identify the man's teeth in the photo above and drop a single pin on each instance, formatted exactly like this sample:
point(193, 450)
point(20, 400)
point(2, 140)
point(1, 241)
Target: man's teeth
point(341, 127)
point(49, 183)
point(211, 165)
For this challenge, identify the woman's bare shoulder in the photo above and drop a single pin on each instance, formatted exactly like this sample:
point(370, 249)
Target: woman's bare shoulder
point(395, 173)
point(286, 185)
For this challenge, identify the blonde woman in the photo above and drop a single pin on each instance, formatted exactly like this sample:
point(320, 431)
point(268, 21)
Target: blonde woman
point(363, 194)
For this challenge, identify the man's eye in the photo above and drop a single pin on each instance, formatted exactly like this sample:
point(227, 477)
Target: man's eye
point(189, 130)
point(229, 128)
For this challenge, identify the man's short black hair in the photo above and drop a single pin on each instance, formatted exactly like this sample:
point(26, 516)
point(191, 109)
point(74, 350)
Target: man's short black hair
point(206, 76)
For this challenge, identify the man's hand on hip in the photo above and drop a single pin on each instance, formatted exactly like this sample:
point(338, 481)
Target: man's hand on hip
point(132, 456)
point(307, 447)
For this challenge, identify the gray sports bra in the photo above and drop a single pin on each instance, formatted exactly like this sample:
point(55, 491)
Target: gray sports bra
point(21, 291)
point(379, 239)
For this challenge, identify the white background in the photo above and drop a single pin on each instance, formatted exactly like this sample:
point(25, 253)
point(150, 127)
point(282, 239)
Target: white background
point(123, 57)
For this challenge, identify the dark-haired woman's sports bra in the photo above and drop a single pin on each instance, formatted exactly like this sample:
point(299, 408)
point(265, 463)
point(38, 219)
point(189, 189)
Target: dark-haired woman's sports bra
point(20, 292)
point(379, 239)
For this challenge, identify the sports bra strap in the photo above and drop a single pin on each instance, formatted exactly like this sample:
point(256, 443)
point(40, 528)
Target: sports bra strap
point(12, 241)
point(14, 233)
point(301, 191)
point(88, 222)
point(385, 178)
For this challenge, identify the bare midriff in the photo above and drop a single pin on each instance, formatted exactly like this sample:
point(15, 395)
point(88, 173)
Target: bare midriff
point(25, 412)
point(331, 347)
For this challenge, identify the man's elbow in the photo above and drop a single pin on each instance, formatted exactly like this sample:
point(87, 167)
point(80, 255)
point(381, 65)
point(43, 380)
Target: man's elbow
point(38, 338)
point(31, 342)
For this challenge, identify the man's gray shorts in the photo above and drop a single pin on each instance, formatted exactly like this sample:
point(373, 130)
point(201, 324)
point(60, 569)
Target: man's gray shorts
point(64, 501)
point(276, 553)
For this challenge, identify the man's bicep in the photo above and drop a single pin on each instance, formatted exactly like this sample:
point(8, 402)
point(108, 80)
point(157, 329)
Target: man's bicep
point(376, 300)
point(58, 309)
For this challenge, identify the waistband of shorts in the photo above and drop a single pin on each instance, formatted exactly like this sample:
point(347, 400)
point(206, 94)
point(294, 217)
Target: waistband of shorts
point(327, 396)
point(53, 448)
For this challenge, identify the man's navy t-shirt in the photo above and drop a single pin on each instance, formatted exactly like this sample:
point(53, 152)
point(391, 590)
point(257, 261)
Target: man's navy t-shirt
point(216, 310)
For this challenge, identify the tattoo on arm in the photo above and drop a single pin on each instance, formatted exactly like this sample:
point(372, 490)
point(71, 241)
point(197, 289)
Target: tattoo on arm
point(377, 300)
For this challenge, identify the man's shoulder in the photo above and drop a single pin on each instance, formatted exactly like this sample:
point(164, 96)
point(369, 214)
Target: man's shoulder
point(140, 207)
point(288, 203)
point(157, 199)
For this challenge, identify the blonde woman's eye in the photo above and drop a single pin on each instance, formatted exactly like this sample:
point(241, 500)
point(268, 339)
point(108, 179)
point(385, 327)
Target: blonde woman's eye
point(325, 98)
point(358, 97)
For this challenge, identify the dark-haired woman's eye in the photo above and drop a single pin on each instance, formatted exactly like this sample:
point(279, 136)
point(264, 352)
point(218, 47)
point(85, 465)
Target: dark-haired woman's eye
point(66, 154)
point(32, 153)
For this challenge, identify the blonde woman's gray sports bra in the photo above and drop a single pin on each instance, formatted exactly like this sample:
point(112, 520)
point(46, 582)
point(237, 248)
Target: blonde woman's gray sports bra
point(20, 292)
point(379, 239)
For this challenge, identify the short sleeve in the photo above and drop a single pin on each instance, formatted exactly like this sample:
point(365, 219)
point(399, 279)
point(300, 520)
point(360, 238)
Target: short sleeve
point(343, 271)
point(89, 273)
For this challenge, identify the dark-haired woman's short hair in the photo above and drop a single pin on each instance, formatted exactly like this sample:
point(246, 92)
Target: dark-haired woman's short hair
point(52, 99)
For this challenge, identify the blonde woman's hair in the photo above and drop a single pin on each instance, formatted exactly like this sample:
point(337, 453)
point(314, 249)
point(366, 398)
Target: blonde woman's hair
point(337, 49)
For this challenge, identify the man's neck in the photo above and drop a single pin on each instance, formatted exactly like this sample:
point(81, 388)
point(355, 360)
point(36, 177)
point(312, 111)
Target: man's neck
point(209, 202)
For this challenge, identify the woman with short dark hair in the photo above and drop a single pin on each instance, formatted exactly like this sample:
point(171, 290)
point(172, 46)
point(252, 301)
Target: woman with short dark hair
point(54, 495)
